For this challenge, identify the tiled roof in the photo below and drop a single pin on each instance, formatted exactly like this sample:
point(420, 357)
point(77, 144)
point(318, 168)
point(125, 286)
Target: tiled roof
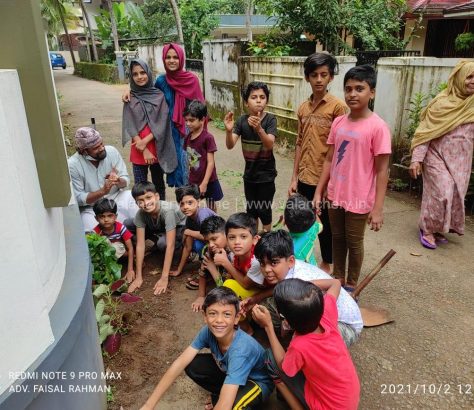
point(434, 6)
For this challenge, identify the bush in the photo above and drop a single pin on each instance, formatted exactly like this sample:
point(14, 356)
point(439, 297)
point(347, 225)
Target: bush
point(106, 73)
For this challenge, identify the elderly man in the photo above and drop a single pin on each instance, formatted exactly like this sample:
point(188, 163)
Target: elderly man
point(98, 171)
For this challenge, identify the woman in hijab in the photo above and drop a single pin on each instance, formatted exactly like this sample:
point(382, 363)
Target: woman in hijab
point(179, 87)
point(146, 123)
point(442, 153)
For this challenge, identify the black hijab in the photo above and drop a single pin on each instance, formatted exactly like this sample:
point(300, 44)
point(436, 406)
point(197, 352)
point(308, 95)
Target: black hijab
point(148, 106)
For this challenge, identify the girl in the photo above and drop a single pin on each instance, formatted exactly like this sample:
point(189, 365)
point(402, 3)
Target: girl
point(145, 122)
point(443, 143)
point(179, 87)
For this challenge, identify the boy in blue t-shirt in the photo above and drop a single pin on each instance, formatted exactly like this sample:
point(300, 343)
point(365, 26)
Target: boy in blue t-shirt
point(188, 197)
point(234, 372)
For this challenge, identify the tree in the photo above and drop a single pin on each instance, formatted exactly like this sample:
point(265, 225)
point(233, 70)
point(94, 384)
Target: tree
point(177, 18)
point(59, 14)
point(91, 33)
point(375, 23)
point(248, 19)
point(199, 19)
point(158, 19)
point(113, 25)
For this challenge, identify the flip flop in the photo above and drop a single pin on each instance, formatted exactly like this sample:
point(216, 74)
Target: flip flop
point(191, 285)
point(425, 243)
point(440, 239)
point(349, 289)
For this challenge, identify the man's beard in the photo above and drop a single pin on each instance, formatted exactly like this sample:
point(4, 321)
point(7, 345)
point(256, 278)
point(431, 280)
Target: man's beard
point(98, 157)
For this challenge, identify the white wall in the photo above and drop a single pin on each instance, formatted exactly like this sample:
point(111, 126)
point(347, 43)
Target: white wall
point(399, 79)
point(32, 259)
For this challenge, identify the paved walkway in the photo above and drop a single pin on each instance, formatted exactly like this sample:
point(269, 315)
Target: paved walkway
point(424, 359)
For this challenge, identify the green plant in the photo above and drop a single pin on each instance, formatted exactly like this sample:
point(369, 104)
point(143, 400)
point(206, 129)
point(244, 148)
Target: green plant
point(218, 123)
point(106, 268)
point(464, 42)
point(106, 313)
point(398, 185)
point(266, 48)
point(106, 73)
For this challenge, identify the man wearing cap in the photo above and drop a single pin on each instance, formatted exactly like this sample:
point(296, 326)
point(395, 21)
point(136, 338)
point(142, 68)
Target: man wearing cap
point(98, 171)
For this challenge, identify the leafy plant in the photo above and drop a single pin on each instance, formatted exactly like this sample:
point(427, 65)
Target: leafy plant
point(464, 42)
point(398, 185)
point(218, 123)
point(262, 48)
point(104, 261)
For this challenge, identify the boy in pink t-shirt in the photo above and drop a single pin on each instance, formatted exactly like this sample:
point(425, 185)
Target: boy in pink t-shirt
point(355, 173)
point(317, 370)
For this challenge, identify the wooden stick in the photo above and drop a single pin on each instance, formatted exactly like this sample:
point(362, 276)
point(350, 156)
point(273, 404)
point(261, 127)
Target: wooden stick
point(360, 287)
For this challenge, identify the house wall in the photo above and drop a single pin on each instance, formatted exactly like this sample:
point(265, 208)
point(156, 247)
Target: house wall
point(417, 41)
point(399, 79)
point(67, 56)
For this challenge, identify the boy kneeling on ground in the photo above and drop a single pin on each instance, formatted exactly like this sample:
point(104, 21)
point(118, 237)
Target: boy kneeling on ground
point(234, 372)
point(317, 370)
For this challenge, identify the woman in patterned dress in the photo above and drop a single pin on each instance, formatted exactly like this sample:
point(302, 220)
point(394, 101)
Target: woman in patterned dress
point(442, 153)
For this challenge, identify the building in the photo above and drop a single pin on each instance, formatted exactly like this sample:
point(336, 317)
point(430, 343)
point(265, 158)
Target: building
point(433, 26)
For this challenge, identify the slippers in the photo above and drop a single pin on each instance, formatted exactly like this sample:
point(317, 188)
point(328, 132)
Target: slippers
point(348, 288)
point(440, 239)
point(192, 285)
point(425, 243)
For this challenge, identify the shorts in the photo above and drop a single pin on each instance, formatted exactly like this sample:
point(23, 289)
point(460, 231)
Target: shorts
point(214, 191)
point(259, 197)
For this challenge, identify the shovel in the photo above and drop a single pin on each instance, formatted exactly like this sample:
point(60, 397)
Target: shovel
point(371, 315)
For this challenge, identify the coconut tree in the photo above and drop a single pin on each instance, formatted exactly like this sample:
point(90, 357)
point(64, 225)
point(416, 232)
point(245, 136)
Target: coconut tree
point(59, 14)
point(91, 33)
point(177, 17)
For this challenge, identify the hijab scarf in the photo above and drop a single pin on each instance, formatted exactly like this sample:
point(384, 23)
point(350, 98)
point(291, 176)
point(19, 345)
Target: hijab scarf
point(148, 106)
point(185, 85)
point(451, 108)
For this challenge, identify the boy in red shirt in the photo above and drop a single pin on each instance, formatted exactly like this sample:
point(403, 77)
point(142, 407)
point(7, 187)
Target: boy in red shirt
point(317, 370)
point(118, 235)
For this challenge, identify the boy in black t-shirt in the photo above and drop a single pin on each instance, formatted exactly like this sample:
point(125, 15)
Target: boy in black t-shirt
point(258, 130)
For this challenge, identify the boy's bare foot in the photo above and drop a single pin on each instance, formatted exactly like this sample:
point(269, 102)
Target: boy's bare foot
point(135, 285)
point(326, 267)
point(175, 273)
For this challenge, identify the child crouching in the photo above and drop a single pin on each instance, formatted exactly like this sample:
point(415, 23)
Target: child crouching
point(317, 370)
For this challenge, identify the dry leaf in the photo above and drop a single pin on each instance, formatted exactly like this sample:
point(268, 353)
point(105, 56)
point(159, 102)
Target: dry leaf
point(415, 254)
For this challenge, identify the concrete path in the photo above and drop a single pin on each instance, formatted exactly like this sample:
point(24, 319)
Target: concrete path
point(425, 358)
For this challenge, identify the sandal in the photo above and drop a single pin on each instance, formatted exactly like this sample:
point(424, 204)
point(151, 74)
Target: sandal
point(192, 285)
point(440, 239)
point(425, 242)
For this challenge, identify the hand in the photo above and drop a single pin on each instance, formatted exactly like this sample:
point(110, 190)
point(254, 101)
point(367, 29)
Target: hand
point(261, 315)
point(229, 121)
point(220, 258)
point(247, 305)
point(130, 276)
point(196, 306)
point(375, 220)
point(149, 157)
point(254, 121)
point(140, 145)
point(203, 189)
point(108, 184)
point(415, 169)
point(160, 286)
point(126, 96)
point(113, 175)
point(317, 202)
point(293, 188)
point(208, 263)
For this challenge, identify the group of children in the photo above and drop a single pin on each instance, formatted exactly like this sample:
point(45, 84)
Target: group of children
point(271, 279)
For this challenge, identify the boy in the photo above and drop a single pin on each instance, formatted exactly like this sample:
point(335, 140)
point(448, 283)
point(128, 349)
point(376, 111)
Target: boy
point(200, 147)
point(258, 131)
point(356, 177)
point(188, 199)
point(234, 371)
point(213, 232)
point(317, 370)
point(119, 236)
point(275, 253)
point(163, 223)
point(315, 117)
point(303, 225)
